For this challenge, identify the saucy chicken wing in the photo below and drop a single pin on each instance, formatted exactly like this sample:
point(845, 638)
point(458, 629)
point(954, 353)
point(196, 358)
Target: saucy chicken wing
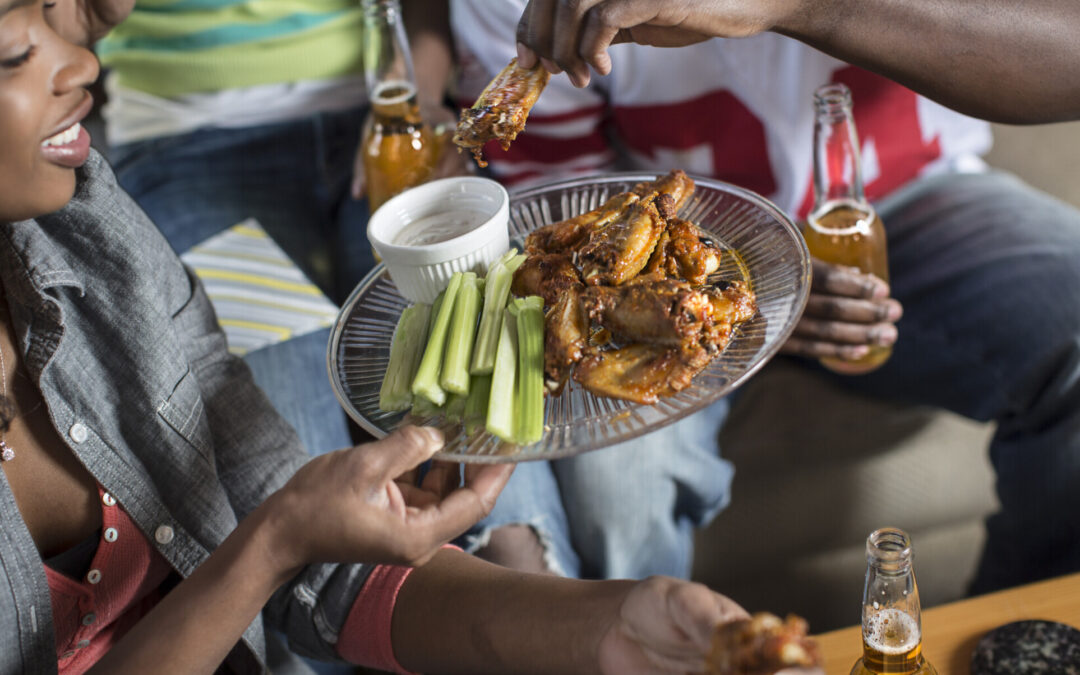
point(566, 235)
point(639, 372)
point(617, 252)
point(684, 252)
point(665, 312)
point(501, 110)
point(762, 645)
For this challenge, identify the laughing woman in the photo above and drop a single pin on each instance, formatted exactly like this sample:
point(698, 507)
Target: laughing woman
point(155, 511)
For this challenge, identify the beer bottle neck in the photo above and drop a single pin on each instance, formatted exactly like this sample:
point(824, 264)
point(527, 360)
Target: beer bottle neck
point(837, 170)
point(890, 580)
point(386, 57)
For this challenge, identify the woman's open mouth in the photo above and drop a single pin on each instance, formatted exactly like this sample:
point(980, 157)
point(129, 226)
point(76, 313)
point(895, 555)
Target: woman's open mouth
point(69, 147)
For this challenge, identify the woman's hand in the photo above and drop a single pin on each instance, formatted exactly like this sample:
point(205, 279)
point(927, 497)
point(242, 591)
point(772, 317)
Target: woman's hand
point(571, 35)
point(84, 22)
point(847, 312)
point(348, 506)
point(664, 626)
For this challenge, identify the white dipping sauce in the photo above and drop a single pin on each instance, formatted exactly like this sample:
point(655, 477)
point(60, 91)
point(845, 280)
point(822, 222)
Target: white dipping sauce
point(440, 227)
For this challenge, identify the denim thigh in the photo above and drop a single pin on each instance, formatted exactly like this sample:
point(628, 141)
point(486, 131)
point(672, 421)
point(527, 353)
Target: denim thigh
point(988, 271)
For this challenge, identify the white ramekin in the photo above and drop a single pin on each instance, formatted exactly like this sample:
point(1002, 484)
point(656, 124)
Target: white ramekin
point(421, 272)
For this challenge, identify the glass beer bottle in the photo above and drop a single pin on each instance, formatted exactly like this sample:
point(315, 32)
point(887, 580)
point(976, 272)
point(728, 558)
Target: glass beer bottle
point(399, 150)
point(891, 615)
point(843, 228)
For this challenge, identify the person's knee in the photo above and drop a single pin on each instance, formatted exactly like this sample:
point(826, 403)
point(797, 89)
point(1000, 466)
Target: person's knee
point(517, 546)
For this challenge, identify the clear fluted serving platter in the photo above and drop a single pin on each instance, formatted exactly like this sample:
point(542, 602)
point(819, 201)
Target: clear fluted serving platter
point(761, 245)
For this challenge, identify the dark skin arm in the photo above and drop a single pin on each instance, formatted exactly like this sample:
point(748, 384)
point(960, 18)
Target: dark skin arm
point(999, 60)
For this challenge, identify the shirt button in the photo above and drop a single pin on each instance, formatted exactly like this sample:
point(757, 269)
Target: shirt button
point(110, 534)
point(78, 432)
point(89, 619)
point(93, 576)
point(82, 643)
point(108, 499)
point(164, 534)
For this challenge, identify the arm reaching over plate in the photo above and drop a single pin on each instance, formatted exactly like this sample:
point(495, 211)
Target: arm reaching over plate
point(501, 110)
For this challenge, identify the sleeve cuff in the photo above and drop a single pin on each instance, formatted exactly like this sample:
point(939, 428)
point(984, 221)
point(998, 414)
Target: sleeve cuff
point(365, 636)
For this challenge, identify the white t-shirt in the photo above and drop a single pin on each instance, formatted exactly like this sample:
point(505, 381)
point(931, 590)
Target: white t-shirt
point(736, 109)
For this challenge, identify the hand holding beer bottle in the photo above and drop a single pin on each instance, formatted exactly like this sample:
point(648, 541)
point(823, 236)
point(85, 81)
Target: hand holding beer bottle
point(848, 322)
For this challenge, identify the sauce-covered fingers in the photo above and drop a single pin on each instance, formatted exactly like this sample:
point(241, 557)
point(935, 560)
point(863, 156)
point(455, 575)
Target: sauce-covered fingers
point(848, 281)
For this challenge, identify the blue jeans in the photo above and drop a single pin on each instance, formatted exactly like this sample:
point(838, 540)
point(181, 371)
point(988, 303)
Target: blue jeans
point(293, 177)
point(988, 271)
point(627, 511)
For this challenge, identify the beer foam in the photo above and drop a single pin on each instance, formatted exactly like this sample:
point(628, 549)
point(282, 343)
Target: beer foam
point(891, 631)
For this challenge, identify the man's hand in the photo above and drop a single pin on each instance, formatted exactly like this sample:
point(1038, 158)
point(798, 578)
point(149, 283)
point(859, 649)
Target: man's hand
point(664, 626)
point(846, 314)
point(84, 22)
point(348, 506)
point(571, 35)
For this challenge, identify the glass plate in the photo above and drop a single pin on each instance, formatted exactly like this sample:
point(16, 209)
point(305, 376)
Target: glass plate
point(770, 255)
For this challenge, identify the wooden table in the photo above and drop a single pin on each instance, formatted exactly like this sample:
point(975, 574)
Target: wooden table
point(951, 631)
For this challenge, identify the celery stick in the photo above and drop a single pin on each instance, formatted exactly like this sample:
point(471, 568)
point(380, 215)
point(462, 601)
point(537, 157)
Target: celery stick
point(476, 406)
point(496, 292)
point(529, 313)
point(459, 346)
point(424, 408)
point(502, 402)
point(426, 382)
point(455, 408)
point(405, 351)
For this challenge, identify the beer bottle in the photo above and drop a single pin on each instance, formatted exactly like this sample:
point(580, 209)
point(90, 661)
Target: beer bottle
point(891, 615)
point(843, 228)
point(399, 150)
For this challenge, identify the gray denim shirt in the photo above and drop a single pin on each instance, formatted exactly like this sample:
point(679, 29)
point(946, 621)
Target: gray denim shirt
point(126, 350)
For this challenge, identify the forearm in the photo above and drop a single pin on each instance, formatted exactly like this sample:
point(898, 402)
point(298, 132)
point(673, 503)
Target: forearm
point(428, 24)
point(195, 626)
point(1001, 60)
point(460, 614)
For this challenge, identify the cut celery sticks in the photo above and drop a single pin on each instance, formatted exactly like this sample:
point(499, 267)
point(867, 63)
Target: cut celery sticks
point(424, 408)
point(529, 315)
point(496, 293)
point(502, 404)
point(454, 377)
point(455, 408)
point(406, 349)
point(426, 382)
point(476, 406)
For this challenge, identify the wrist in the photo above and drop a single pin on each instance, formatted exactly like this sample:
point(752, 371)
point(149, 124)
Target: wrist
point(275, 538)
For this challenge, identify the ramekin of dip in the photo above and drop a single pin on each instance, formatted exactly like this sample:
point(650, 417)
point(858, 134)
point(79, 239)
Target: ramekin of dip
point(427, 233)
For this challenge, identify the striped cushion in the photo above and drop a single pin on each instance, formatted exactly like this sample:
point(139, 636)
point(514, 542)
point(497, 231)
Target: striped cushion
point(261, 297)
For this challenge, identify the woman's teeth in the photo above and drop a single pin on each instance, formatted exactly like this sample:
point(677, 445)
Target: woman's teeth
point(64, 137)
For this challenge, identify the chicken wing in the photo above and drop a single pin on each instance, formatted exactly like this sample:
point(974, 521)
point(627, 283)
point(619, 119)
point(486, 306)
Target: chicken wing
point(675, 183)
point(639, 372)
point(684, 252)
point(501, 110)
point(566, 235)
point(666, 313)
point(761, 645)
point(566, 339)
point(617, 252)
point(548, 275)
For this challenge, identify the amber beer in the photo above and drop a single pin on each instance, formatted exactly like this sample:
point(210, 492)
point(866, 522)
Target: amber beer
point(399, 149)
point(850, 233)
point(891, 644)
point(892, 613)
